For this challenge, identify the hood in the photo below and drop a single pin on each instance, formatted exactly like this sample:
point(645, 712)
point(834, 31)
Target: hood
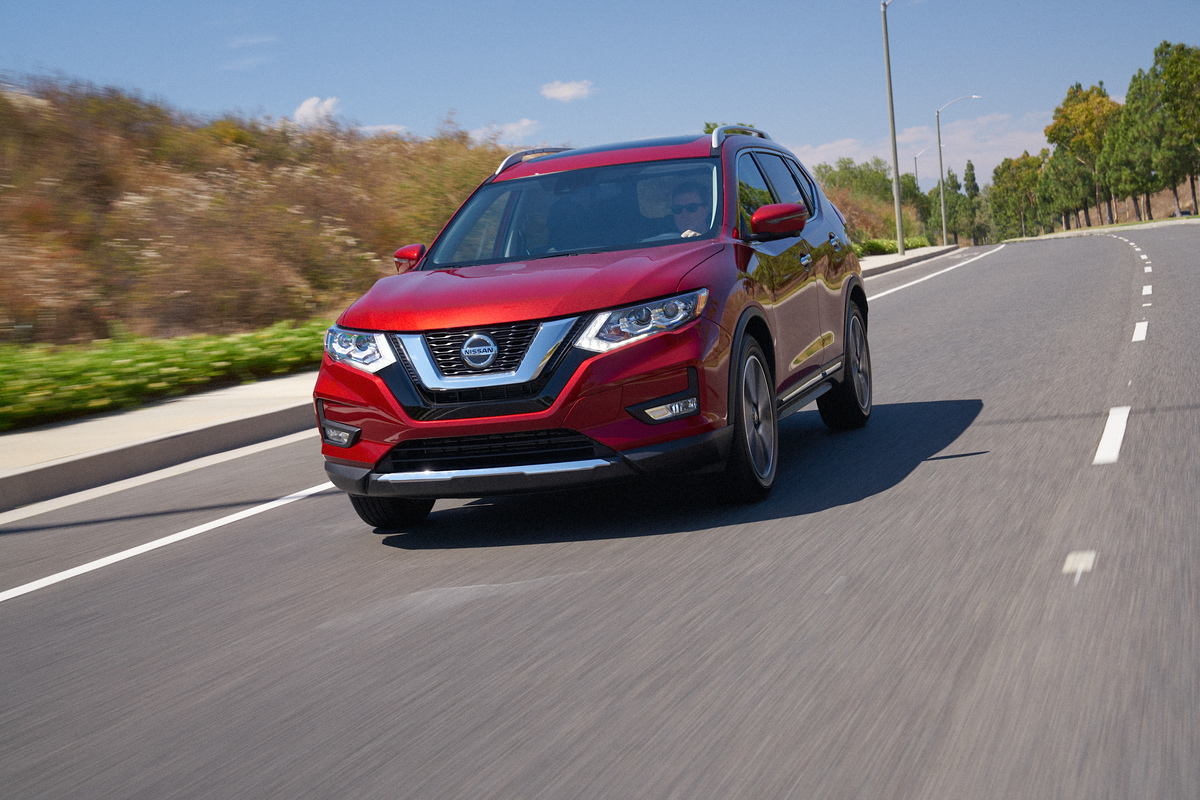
point(524, 290)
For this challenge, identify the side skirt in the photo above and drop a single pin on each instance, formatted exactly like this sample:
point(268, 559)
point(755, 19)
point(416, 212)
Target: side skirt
point(798, 397)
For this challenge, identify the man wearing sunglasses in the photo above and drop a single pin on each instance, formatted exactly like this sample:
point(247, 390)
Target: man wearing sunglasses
point(691, 210)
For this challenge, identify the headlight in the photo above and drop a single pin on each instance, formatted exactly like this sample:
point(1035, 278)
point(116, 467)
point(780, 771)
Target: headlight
point(369, 352)
point(612, 329)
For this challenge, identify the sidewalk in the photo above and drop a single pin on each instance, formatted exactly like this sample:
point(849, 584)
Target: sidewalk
point(42, 463)
point(877, 265)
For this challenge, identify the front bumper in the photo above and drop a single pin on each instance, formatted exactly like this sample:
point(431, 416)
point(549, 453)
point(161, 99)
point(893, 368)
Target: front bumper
point(602, 420)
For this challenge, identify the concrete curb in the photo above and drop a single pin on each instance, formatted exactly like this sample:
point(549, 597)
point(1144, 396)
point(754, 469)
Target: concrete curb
point(884, 264)
point(89, 470)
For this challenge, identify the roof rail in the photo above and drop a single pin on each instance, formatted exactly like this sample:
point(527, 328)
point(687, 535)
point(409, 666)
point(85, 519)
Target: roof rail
point(720, 133)
point(517, 158)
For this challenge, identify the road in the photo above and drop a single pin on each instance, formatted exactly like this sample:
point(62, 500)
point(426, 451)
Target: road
point(954, 602)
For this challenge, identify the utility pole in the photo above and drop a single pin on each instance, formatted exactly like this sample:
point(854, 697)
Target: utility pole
point(887, 62)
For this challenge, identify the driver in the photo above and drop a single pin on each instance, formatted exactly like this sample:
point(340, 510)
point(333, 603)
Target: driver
point(691, 210)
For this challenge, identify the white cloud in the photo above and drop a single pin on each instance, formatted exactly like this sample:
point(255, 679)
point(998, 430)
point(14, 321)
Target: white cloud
point(314, 111)
point(566, 92)
point(508, 133)
point(985, 141)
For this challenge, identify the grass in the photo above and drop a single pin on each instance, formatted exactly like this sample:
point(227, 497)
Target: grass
point(44, 383)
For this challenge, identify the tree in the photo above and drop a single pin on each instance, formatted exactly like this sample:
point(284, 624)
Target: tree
point(1079, 126)
point(1014, 194)
point(1181, 86)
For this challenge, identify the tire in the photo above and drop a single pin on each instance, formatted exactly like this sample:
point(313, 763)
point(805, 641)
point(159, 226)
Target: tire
point(390, 513)
point(754, 456)
point(848, 404)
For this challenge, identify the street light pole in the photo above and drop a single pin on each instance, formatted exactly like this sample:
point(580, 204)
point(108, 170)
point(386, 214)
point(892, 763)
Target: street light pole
point(917, 179)
point(887, 61)
point(942, 172)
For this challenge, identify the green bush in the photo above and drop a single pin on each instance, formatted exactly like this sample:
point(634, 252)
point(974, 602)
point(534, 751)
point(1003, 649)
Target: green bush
point(883, 247)
point(43, 383)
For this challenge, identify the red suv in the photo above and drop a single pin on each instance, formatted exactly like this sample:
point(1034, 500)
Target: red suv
point(600, 314)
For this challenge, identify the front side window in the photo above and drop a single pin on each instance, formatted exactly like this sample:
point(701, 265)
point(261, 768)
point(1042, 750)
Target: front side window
point(752, 191)
point(603, 208)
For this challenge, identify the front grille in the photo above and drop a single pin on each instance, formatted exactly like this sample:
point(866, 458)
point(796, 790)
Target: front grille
point(511, 340)
point(491, 451)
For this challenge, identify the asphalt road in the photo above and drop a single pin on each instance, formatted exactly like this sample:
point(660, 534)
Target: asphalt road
point(894, 621)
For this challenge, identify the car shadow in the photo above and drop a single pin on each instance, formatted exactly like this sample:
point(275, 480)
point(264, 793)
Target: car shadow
point(818, 470)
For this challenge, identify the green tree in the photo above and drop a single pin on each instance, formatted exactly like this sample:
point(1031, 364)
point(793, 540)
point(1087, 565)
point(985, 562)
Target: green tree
point(1014, 195)
point(1181, 86)
point(1079, 125)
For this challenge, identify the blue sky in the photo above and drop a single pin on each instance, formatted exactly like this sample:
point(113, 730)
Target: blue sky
point(581, 73)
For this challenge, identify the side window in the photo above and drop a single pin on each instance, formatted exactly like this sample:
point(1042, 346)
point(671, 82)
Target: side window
point(806, 185)
point(783, 180)
point(752, 191)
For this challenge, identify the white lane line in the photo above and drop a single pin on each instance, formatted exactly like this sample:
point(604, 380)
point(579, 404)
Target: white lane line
point(1147, 290)
point(92, 566)
point(1149, 270)
point(1079, 562)
point(1114, 433)
point(934, 274)
point(1143, 256)
point(1147, 305)
point(1139, 331)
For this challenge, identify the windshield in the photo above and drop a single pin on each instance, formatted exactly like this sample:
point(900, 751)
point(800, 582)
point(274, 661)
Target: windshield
point(588, 210)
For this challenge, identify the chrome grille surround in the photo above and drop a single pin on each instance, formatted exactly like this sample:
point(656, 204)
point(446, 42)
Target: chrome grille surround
point(525, 349)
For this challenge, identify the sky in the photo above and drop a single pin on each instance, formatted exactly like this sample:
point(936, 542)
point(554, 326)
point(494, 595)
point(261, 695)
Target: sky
point(576, 73)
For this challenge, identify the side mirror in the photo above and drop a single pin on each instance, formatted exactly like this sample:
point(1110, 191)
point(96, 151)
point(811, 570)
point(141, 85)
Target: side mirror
point(407, 257)
point(776, 220)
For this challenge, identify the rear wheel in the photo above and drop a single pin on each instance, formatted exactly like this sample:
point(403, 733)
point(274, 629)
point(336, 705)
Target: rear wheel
point(390, 512)
point(848, 405)
point(755, 453)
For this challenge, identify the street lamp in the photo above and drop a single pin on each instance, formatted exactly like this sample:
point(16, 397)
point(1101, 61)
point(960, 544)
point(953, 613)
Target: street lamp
point(917, 180)
point(941, 172)
point(887, 62)
point(917, 177)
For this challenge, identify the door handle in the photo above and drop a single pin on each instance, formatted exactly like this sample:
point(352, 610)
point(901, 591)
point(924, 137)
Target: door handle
point(806, 261)
point(835, 241)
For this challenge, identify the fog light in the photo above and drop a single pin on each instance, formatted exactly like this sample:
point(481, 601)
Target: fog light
point(338, 438)
point(678, 408)
point(338, 434)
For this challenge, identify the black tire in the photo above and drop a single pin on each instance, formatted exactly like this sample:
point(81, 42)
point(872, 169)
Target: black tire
point(754, 455)
point(848, 404)
point(390, 513)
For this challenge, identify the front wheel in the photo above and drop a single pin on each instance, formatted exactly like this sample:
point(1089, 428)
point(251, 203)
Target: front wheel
point(848, 405)
point(390, 513)
point(755, 452)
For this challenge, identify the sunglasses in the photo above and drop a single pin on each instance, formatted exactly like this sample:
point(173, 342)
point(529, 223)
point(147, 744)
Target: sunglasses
point(691, 208)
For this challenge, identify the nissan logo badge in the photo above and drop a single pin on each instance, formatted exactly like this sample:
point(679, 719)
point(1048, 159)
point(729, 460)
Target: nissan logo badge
point(479, 351)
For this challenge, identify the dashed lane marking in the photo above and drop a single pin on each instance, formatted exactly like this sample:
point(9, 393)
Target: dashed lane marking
point(1114, 432)
point(1139, 331)
point(1079, 562)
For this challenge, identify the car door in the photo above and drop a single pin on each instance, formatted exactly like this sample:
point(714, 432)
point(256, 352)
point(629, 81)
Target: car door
point(789, 266)
point(833, 260)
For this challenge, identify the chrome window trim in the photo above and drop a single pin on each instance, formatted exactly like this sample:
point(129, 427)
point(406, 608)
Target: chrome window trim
point(545, 343)
point(487, 472)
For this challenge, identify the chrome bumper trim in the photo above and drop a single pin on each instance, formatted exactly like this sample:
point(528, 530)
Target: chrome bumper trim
point(489, 472)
